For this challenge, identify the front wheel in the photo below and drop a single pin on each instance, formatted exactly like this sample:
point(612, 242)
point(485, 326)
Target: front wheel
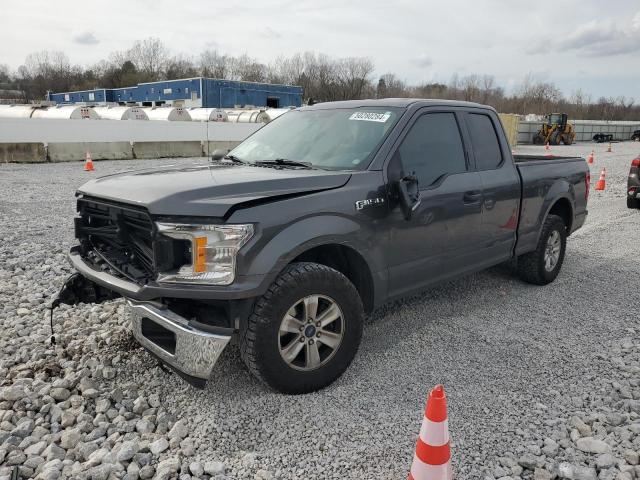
point(542, 266)
point(305, 330)
point(633, 202)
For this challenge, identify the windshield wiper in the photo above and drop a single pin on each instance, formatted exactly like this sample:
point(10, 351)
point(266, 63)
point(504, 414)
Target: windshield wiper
point(285, 163)
point(233, 158)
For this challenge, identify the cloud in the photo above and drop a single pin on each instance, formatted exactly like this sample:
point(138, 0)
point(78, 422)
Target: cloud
point(597, 38)
point(423, 61)
point(86, 38)
point(268, 32)
point(212, 44)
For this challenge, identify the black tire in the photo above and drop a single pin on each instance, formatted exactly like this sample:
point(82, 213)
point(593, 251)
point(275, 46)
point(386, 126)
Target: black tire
point(531, 266)
point(555, 138)
point(260, 337)
point(633, 203)
point(538, 140)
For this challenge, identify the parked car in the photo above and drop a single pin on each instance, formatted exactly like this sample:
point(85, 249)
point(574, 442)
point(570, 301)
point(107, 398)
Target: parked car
point(633, 184)
point(603, 137)
point(312, 222)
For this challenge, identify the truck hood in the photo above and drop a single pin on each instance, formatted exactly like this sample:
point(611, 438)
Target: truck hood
point(208, 190)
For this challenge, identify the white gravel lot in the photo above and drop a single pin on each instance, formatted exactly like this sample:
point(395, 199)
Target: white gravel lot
point(530, 372)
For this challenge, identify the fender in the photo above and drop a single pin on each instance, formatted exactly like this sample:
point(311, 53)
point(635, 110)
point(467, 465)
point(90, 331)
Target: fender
point(561, 189)
point(308, 233)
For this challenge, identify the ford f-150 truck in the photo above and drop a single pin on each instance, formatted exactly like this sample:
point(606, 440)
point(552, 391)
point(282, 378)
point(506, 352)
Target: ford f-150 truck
point(322, 215)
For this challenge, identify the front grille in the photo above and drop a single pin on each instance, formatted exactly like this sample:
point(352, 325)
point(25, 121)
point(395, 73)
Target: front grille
point(117, 238)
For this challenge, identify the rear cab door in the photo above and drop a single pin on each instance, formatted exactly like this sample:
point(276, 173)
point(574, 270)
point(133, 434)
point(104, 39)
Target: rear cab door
point(501, 189)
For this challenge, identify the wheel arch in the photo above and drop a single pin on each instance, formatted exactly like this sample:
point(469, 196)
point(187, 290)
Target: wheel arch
point(347, 261)
point(562, 208)
point(307, 240)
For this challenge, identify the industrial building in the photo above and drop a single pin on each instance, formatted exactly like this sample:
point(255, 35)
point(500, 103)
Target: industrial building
point(190, 92)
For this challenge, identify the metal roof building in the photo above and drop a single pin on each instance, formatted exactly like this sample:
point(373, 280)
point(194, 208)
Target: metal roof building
point(191, 92)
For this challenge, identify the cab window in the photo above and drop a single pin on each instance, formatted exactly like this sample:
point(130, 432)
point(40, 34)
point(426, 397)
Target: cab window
point(484, 138)
point(433, 149)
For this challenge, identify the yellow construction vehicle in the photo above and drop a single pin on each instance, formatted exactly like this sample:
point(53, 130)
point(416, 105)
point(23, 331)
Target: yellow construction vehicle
point(556, 129)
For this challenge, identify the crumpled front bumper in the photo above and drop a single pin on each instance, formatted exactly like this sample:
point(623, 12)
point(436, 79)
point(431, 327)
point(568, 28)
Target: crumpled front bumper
point(191, 352)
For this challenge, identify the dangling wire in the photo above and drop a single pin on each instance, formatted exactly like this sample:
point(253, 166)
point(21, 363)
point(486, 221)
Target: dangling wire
point(54, 305)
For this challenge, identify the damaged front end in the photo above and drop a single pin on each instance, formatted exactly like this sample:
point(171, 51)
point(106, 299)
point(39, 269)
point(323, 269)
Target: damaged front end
point(120, 254)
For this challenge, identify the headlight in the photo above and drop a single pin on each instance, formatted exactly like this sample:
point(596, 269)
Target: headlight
point(213, 252)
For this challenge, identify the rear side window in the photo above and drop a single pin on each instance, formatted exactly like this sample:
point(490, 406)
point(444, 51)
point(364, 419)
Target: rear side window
point(486, 146)
point(433, 148)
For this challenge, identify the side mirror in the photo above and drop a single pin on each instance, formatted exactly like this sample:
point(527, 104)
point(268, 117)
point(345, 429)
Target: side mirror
point(218, 155)
point(409, 195)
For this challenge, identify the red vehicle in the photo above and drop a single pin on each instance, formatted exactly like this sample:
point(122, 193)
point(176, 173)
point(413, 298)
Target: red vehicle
point(633, 184)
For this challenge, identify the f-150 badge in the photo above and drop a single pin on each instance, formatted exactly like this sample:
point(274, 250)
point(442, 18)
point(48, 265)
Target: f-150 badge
point(360, 204)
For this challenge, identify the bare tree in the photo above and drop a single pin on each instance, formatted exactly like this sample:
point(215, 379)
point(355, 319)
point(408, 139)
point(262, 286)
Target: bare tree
point(4, 73)
point(537, 96)
point(150, 56)
point(46, 70)
point(213, 64)
point(180, 66)
point(391, 86)
point(353, 76)
point(470, 88)
point(247, 69)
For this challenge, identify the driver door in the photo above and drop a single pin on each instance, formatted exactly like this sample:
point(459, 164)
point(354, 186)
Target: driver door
point(442, 238)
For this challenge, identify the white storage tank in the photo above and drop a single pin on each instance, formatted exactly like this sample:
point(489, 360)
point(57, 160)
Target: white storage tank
point(66, 112)
point(117, 112)
point(208, 114)
point(248, 116)
point(168, 114)
point(16, 111)
point(273, 113)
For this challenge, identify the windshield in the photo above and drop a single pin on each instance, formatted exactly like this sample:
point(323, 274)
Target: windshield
point(337, 139)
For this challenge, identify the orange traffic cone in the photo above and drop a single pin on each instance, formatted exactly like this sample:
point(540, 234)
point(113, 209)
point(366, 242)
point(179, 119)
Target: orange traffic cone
point(601, 184)
point(546, 146)
point(609, 148)
point(88, 163)
point(432, 460)
point(590, 159)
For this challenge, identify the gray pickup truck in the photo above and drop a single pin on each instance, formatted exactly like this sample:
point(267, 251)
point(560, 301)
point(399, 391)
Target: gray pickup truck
point(311, 223)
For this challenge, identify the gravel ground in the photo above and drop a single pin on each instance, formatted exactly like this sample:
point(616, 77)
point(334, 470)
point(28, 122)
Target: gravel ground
point(541, 381)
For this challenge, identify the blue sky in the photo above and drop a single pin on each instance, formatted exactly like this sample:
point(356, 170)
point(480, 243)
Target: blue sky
point(590, 44)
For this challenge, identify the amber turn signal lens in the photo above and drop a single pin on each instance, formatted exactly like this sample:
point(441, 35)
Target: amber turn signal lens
point(201, 251)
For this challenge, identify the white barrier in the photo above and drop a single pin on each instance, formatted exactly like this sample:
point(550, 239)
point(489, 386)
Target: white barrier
point(32, 130)
point(25, 140)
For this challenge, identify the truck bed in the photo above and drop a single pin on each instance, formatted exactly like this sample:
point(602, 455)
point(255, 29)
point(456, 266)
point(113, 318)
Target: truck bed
point(540, 176)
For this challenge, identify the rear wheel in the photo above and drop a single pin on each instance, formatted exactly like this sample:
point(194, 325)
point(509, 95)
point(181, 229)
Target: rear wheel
point(633, 202)
point(543, 264)
point(305, 330)
point(538, 140)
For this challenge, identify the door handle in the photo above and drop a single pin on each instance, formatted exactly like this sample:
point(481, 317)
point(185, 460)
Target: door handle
point(471, 197)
